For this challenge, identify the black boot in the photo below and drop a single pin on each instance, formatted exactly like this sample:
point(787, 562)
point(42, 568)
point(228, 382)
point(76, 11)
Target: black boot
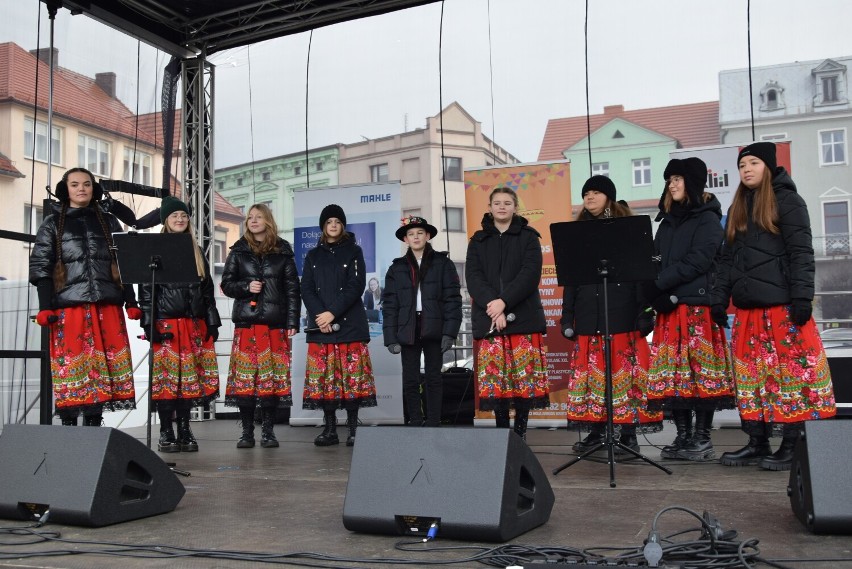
point(501, 418)
point(521, 418)
point(328, 436)
point(700, 448)
point(594, 438)
point(783, 457)
point(267, 434)
point(68, 421)
point(352, 423)
point(756, 449)
point(185, 438)
point(92, 420)
point(683, 423)
point(247, 420)
point(628, 439)
point(168, 442)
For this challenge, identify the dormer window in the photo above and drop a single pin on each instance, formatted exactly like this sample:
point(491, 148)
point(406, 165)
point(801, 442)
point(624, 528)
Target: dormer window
point(829, 83)
point(771, 97)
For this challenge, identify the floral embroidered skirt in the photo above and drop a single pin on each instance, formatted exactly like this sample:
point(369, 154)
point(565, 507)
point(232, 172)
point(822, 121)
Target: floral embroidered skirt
point(690, 362)
point(90, 361)
point(780, 369)
point(339, 376)
point(512, 370)
point(259, 371)
point(587, 383)
point(185, 368)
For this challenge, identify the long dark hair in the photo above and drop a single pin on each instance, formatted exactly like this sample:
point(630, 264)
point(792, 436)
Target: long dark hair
point(764, 213)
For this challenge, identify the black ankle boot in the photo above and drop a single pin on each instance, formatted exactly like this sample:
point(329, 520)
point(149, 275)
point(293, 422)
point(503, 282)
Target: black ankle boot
point(168, 441)
point(352, 423)
point(521, 420)
point(501, 418)
point(247, 420)
point(783, 457)
point(185, 438)
point(328, 436)
point(68, 421)
point(92, 420)
point(594, 438)
point(628, 439)
point(267, 434)
point(700, 448)
point(683, 423)
point(756, 449)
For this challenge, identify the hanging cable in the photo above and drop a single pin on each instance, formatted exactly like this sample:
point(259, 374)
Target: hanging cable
point(441, 125)
point(588, 117)
point(491, 76)
point(251, 123)
point(307, 83)
point(136, 122)
point(750, 91)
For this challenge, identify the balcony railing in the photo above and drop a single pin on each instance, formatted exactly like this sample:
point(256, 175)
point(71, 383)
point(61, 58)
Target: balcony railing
point(832, 245)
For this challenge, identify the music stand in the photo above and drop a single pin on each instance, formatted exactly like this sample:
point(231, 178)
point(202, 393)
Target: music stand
point(618, 249)
point(155, 258)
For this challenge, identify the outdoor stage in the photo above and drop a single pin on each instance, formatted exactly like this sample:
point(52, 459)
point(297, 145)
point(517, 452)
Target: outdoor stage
point(290, 499)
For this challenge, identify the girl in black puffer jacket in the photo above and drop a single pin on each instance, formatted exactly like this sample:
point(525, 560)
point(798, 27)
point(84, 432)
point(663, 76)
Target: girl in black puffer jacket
point(80, 298)
point(767, 268)
point(338, 372)
point(186, 373)
point(503, 272)
point(260, 275)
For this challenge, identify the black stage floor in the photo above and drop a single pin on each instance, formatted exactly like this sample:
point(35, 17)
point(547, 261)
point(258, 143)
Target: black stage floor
point(290, 499)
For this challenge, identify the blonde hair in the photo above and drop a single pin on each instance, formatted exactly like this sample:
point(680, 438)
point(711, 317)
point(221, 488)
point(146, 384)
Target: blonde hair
point(764, 212)
point(270, 238)
point(199, 259)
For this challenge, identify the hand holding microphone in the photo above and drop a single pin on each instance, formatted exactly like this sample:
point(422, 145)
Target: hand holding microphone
point(254, 287)
point(335, 327)
point(509, 318)
point(664, 304)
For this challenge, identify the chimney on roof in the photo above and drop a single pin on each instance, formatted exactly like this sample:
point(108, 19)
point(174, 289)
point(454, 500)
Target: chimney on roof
point(43, 55)
point(106, 81)
point(613, 109)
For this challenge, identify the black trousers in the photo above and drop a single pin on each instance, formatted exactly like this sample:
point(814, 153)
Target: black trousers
point(431, 350)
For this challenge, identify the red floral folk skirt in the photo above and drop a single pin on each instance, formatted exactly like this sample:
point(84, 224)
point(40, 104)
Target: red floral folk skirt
point(185, 368)
point(587, 383)
point(259, 370)
point(690, 361)
point(780, 369)
point(512, 370)
point(339, 376)
point(90, 360)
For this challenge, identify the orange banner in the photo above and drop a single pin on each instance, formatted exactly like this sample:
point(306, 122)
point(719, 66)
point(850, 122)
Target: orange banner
point(544, 196)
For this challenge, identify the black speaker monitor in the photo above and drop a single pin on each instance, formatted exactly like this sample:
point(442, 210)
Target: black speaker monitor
point(474, 484)
point(821, 477)
point(87, 476)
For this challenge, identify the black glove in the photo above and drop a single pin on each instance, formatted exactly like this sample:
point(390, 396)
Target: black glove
point(663, 303)
point(568, 333)
point(446, 343)
point(800, 311)
point(651, 291)
point(157, 339)
point(394, 348)
point(719, 315)
point(212, 332)
point(645, 322)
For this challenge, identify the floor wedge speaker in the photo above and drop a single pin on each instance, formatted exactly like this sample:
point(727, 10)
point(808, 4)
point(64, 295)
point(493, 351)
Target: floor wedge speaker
point(86, 476)
point(472, 484)
point(821, 477)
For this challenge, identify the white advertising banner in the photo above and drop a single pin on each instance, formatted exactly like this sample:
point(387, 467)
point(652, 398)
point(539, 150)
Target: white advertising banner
point(373, 214)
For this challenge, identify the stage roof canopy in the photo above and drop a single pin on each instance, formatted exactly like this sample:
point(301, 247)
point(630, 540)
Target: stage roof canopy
point(188, 27)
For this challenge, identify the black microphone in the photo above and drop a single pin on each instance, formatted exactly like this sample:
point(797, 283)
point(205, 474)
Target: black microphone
point(672, 299)
point(334, 328)
point(509, 318)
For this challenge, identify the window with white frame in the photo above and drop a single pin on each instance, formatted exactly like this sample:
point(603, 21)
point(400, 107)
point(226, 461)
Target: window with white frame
point(829, 89)
point(600, 169)
point(832, 146)
point(35, 141)
point(219, 251)
point(452, 169)
point(137, 167)
point(297, 170)
point(265, 176)
point(33, 216)
point(94, 154)
point(453, 218)
point(642, 172)
point(836, 223)
point(320, 166)
point(379, 173)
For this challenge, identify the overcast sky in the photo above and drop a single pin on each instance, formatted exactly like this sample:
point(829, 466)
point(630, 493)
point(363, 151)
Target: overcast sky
point(375, 76)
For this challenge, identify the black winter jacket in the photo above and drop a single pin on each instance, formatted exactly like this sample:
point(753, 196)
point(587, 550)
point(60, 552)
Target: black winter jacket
point(507, 266)
point(278, 303)
point(761, 269)
point(688, 246)
point(333, 280)
point(440, 298)
point(86, 256)
point(182, 300)
point(583, 308)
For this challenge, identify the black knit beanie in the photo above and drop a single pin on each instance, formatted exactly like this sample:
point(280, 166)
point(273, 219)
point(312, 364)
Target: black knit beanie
point(329, 211)
point(765, 151)
point(169, 205)
point(600, 184)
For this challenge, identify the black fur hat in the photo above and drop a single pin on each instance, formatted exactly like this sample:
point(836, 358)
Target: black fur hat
point(694, 172)
point(62, 186)
point(329, 211)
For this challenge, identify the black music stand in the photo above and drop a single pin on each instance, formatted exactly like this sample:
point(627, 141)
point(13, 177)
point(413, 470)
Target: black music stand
point(155, 258)
point(619, 249)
